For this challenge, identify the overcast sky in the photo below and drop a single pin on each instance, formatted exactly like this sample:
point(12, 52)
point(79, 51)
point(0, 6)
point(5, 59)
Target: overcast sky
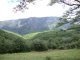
point(40, 9)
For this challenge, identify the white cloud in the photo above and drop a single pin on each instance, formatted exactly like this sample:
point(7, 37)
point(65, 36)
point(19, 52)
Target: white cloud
point(39, 10)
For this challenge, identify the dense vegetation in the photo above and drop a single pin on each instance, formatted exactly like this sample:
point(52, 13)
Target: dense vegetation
point(10, 43)
point(60, 39)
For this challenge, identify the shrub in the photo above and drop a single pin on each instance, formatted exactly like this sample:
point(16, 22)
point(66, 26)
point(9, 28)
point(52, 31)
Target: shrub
point(78, 44)
point(39, 45)
point(61, 47)
point(18, 45)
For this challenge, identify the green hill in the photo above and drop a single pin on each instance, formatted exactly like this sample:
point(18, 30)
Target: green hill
point(62, 39)
point(10, 43)
point(57, 39)
point(29, 36)
point(13, 33)
point(40, 41)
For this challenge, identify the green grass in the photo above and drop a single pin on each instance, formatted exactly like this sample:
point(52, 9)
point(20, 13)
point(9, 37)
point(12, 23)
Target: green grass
point(12, 33)
point(72, 54)
point(29, 36)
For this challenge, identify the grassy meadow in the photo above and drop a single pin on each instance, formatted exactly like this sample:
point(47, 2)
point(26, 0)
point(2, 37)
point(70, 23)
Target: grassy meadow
point(72, 54)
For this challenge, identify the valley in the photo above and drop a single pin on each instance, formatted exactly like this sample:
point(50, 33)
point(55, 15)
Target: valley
point(40, 30)
point(49, 44)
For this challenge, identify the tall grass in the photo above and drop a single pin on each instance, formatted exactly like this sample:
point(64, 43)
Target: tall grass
point(72, 54)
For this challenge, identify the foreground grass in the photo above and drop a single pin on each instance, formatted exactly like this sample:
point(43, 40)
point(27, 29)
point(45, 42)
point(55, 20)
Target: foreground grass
point(72, 54)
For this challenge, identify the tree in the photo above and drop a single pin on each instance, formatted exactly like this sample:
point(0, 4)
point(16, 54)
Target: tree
point(2, 45)
point(39, 45)
point(23, 5)
point(19, 45)
point(73, 11)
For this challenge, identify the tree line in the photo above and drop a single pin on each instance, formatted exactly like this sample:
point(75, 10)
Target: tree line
point(60, 39)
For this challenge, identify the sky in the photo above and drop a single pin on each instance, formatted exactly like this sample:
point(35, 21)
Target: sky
point(40, 9)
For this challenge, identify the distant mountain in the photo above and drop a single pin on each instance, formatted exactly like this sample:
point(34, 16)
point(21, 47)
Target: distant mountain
point(29, 25)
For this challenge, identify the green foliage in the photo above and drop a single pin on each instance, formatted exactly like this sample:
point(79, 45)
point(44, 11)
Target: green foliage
point(2, 45)
point(62, 22)
point(10, 43)
point(12, 33)
point(60, 39)
point(52, 35)
point(39, 45)
point(61, 47)
point(18, 45)
point(78, 44)
point(51, 44)
point(75, 27)
point(28, 36)
point(73, 44)
point(65, 20)
point(74, 20)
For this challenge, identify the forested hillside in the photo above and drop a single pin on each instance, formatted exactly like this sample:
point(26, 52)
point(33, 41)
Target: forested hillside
point(61, 39)
point(26, 35)
point(58, 39)
point(30, 25)
point(10, 43)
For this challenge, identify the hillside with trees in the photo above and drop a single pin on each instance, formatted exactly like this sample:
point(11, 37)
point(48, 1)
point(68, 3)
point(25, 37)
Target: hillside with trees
point(30, 25)
point(58, 39)
point(10, 43)
point(61, 39)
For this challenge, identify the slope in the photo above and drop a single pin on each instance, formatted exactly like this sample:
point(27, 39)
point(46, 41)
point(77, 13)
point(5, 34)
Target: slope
point(62, 39)
point(30, 25)
point(10, 43)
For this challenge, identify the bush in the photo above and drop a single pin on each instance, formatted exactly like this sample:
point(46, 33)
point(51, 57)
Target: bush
point(19, 45)
point(74, 44)
point(52, 45)
point(27, 47)
point(78, 44)
point(39, 45)
point(2, 45)
point(61, 47)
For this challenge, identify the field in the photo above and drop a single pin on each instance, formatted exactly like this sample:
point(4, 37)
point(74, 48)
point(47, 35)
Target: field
point(72, 54)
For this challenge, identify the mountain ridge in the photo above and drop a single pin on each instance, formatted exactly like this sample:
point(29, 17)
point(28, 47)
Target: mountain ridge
point(29, 25)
